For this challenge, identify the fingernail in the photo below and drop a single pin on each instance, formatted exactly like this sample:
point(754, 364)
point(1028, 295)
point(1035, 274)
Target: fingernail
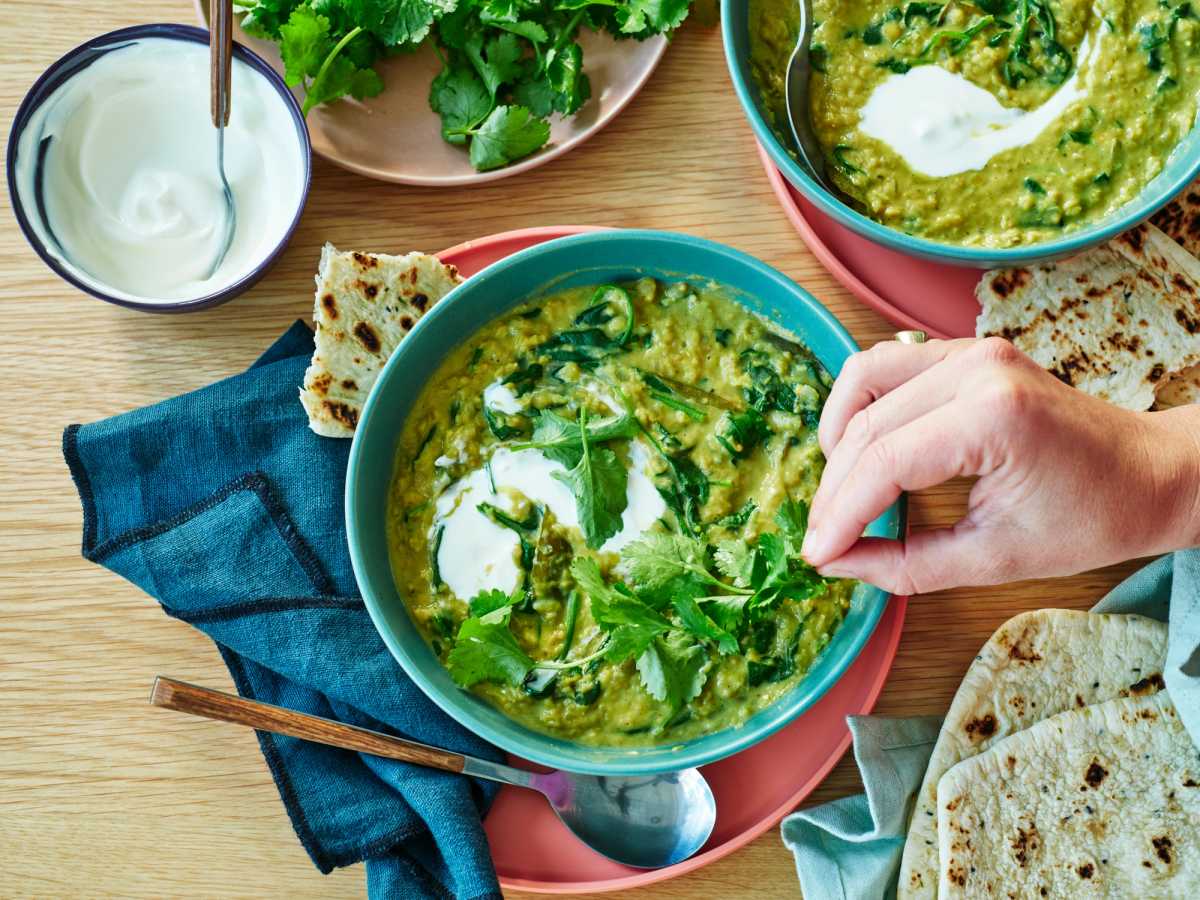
point(814, 545)
point(835, 571)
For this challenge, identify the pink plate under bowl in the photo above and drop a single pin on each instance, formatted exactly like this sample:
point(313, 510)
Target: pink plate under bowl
point(910, 292)
point(533, 851)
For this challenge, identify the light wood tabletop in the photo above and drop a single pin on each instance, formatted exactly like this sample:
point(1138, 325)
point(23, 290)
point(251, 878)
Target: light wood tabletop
point(101, 795)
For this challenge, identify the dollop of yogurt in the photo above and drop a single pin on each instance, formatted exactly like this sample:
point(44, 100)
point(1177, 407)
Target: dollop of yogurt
point(476, 554)
point(133, 204)
point(942, 124)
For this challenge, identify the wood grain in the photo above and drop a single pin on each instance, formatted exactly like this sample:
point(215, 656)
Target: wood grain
point(101, 795)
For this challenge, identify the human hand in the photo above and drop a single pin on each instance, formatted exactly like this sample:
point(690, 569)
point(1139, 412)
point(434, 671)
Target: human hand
point(1067, 482)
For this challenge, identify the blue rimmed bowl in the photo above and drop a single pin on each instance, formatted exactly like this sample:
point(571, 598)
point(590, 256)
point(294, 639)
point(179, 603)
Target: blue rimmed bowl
point(1180, 169)
point(71, 64)
point(590, 258)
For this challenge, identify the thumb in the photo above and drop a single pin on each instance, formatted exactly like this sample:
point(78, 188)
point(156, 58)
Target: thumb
point(925, 562)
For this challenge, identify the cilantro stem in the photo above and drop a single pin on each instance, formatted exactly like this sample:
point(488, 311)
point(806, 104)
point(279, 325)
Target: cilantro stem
point(337, 48)
point(571, 663)
point(567, 33)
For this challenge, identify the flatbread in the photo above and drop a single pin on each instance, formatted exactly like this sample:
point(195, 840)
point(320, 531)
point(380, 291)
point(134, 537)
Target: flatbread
point(365, 304)
point(1036, 665)
point(1179, 390)
point(1115, 321)
point(1099, 801)
point(1180, 219)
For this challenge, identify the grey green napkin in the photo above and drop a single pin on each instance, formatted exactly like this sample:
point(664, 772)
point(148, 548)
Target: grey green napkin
point(850, 849)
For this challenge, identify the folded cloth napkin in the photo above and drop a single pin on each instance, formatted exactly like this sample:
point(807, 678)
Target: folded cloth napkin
point(223, 506)
point(850, 849)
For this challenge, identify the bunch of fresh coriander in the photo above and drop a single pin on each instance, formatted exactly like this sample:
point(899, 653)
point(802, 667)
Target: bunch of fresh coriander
point(506, 64)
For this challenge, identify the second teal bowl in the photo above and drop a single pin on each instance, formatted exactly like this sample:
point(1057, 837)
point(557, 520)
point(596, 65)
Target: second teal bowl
point(1181, 168)
point(556, 265)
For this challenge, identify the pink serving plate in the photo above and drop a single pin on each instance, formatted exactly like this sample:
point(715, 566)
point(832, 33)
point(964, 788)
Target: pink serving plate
point(911, 292)
point(533, 851)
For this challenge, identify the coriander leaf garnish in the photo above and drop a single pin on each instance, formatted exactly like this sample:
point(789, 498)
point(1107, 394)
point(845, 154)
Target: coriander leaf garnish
point(700, 625)
point(792, 520)
point(735, 560)
point(486, 650)
point(657, 558)
point(630, 624)
point(598, 481)
point(397, 22)
point(488, 602)
point(312, 58)
point(674, 668)
point(506, 135)
point(461, 99)
point(560, 438)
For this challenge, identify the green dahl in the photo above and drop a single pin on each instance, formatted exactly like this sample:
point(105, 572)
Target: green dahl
point(1095, 157)
point(703, 618)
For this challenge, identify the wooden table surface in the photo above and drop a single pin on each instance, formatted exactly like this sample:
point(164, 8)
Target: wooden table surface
point(101, 795)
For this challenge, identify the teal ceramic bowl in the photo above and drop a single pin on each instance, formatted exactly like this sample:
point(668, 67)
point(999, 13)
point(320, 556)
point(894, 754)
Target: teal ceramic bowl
point(582, 259)
point(1181, 168)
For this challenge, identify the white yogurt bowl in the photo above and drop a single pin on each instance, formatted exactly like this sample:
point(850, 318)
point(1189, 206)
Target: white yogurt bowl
point(112, 169)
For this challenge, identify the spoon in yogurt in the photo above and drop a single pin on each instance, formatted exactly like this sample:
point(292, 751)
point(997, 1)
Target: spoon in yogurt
point(645, 821)
point(220, 25)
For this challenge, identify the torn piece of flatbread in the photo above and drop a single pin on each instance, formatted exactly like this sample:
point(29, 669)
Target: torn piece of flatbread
point(1181, 389)
point(1101, 801)
point(1036, 665)
point(366, 303)
point(1115, 321)
point(1180, 219)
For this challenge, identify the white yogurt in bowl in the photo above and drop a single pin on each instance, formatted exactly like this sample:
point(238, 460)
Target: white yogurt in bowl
point(115, 172)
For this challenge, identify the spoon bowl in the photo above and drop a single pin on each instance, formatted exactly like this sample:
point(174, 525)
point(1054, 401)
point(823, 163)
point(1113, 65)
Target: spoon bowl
point(799, 71)
point(644, 821)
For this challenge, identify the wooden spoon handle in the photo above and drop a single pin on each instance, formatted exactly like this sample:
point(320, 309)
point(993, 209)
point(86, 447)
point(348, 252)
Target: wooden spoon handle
point(220, 43)
point(200, 701)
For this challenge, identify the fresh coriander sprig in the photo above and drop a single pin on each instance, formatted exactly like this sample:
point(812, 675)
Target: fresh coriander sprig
point(506, 66)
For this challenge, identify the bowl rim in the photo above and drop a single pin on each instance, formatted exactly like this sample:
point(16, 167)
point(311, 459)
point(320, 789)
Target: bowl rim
point(529, 743)
point(733, 16)
point(53, 77)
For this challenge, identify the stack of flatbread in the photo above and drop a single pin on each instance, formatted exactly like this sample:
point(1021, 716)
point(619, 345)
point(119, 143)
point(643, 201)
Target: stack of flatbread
point(1061, 770)
point(366, 303)
point(1121, 321)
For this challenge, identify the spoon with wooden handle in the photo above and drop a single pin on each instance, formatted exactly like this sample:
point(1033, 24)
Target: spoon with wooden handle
point(220, 43)
point(647, 821)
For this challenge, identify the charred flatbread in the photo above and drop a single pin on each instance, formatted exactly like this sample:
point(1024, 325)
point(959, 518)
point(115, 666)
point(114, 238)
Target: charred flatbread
point(1036, 665)
point(1116, 321)
point(1180, 219)
point(1179, 390)
point(365, 304)
point(1100, 801)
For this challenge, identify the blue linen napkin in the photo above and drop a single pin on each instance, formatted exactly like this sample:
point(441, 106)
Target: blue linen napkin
point(850, 849)
point(227, 509)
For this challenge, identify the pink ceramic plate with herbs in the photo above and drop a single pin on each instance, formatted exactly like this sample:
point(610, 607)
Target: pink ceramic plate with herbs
point(396, 136)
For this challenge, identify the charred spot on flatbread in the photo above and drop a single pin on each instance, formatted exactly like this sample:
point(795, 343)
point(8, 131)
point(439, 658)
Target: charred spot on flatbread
point(1095, 774)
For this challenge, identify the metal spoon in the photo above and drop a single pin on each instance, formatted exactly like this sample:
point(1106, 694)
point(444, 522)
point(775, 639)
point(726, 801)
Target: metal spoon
point(220, 31)
point(647, 821)
point(799, 70)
